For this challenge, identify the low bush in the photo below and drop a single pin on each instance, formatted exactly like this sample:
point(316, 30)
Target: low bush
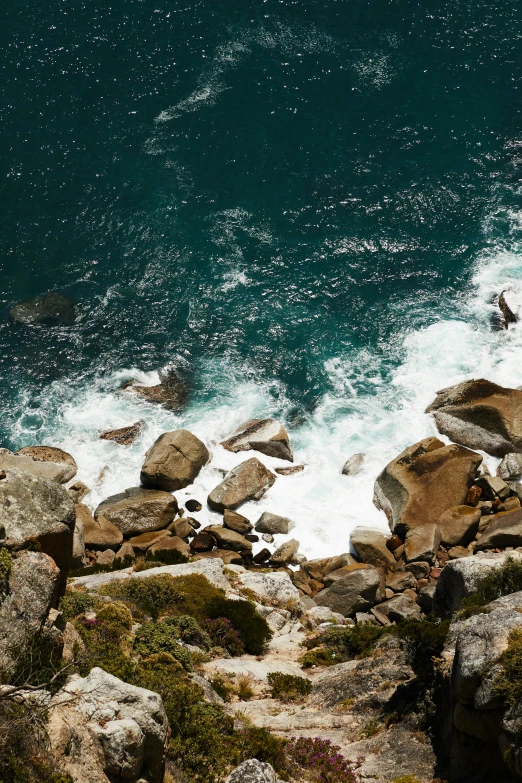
point(75, 602)
point(318, 760)
point(116, 612)
point(223, 685)
point(223, 634)
point(162, 637)
point(252, 629)
point(107, 643)
point(508, 682)
point(244, 687)
point(425, 641)
point(6, 561)
point(319, 656)
point(289, 687)
point(154, 595)
point(165, 557)
point(352, 641)
point(255, 742)
point(500, 581)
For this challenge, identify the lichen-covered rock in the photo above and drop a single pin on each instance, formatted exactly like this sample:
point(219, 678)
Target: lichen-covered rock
point(248, 481)
point(32, 591)
point(52, 309)
point(370, 545)
point(101, 728)
point(138, 510)
point(174, 461)
point(481, 415)
point(510, 468)
point(285, 553)
point(54, 455)
point(355, 591)
point(273, 586)
point(264, 435)
point(425, 480)
point(25, 461)
point(253, 771)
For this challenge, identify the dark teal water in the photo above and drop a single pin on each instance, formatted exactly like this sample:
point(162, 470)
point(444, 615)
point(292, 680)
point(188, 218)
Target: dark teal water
point(258, 185)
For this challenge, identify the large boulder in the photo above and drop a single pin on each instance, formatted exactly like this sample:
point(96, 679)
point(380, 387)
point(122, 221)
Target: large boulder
point(174, 461)
point(458, 525)
point(31, 592)
point(248, 481)
point(58, 469)
point(459, 578)
point(356, 590)
point(505, 529)
point(37, 510)
point(52, 309)
point(273, 586)
point(138, 510)
point(370, 545)
point(253, 771)
point(481, 415)
point(102, 729)
point(264, 435)
point(210, 569)
point(97, 533)
point(425, 480)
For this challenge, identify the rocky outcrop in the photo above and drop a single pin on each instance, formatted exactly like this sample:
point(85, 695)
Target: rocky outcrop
point(248, 481)
point(25, 461)
point(52, 454)
point(97, 533)
point(138, 510)
point(32, 591)
point(211, 569)
point(508, 315)
point(264, 435)
point(253, 771)
point(481, 415)
point(355, 590)
point(174, 461)
point(274, 524)
point(370, 545)
point(102, 729)
point(37, 510)
point(425, 480)
point(51, 309)
point(124, 436)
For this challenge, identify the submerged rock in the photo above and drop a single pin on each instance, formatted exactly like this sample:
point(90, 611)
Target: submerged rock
point(174, 461)
point(124, 436)
point(248, 481)
point(508, 316)
point(353, 465)
point(264, 435)
point(172, 392)
point(138, 510)
point(481, 415)
point(51, 309)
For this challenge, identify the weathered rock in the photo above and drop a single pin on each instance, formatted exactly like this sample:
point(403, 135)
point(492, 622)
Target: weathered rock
point(425, 598)
point(370, 546)
point(510, 468)
point(203, 542)
point(285, 553)
point(237, 522)
point(460, 578)
point(400, 580)
point(459, 551)
point(142, 542)
point(340, 573)
point(54, 455)
point(228, 539)
point(211, 569)
point(193, 505)
point(227, 556)
point(52, 309)
point(60, 472)
point(78, 549)
point(248, 481)
point(138, 510)
point(101, 728)
point(253, 771)
point(356, 591)
point(481, 415)
point(321, 614)
point(422, 543)
point(38, 510)
point(78, 491)
point(124, 551)
point(290, 471)
point(400, 607)
point(274, 524)
point(124, 436)
point(272, 586)
point(459, 525)
point(318, 569)
point(264, 435)
point(105, 558)
point(493, 487)
point(504, 530)
point(516, 488)
point(353, 465)
point(419, 569)
point(509, 504)
point(424, 481)
point(98, 533)
point(172, 392)
point(167, 544)
point(181, 527)
point(33, 590)
point(174, 461)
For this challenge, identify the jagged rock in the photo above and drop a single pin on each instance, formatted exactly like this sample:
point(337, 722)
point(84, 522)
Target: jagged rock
point(181, 527)
point(504, 530)
point(101, 728)
point(285, 553)
point(253, 771)
point(211, 569)
point(460, 578)
point(419, 569)
point(237, 522)
point(370, 546)
point(400, 607)
point(424, 481)
point(167, 544)
point(508, 316)
point(510, 468)
point(355, 591)
point(142, 542)
point(481, 415)
point(38, 510)
point(493, 487)
point(353, 465)
point(422, 543)
point(290, 471)
point(78, 491)
point(174, 461)
point(264, 435)
point(138, 510)
point(459, 525)
point(172, 392)
point(124, 436)
point(52, 309)
point(33, 590)
point(248, 481)
point(61, 472)
point(78, 549)
point(228, 539)
point(272, 586)
point(274, 524)
point(98, 533)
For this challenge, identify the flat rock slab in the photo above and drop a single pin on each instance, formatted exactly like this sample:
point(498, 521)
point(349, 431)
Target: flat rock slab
point(275, 586)
point(174, 461)
point(248, 481)
point(265, 435)
point(145, 540)
point(138, 510)
point(61, 472)
point(211, 569)
point(259, 670)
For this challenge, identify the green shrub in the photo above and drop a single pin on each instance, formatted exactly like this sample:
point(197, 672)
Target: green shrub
point(352, 641)
point(319, 656)
point(74, 603)
point(223, 634)
point(116, 612)
point(223, 686)
point(258, 743)
point(165, 557)
point(154, 595)
point(6, 561)
point(289, 687)
point(107, 644)
point(471, 606)
point(425, 641)
point(370, 729)
point(190, 631)
point(508, 682)
point(500, 581)
point(161, 637)
point(252, 629)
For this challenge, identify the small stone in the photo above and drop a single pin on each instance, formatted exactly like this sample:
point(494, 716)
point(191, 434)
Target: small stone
point(105, 558)
point(252, 538)
point(126, 550)
point(268, 538)
point(485, 507)
point(237, 522)
point(400, 580)
point(388, 593)
point(262, 556)
point(419, 569)
point(364, 617)
point(290, 471)
point(394, 542)
point(203, 542)
point(398, 553)
point(493, 487)
point(474, 495)
point(274, 524)
point(353, 465)
point(194, 524)
point(181, 527)
point(425, 598)
point(193, 505)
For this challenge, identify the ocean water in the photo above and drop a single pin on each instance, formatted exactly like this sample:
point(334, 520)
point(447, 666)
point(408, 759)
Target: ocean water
point(309, 207)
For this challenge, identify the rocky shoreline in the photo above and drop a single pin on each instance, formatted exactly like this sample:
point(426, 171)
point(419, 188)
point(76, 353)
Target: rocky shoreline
point(397, 652)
